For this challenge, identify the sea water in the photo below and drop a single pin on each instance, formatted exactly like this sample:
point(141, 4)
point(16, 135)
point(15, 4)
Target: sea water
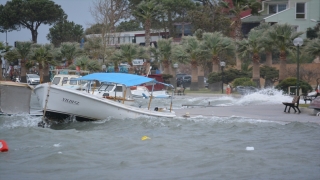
point(156, 148)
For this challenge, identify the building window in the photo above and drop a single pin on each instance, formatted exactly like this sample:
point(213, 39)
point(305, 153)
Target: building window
point(275, 8)
point(300, 11)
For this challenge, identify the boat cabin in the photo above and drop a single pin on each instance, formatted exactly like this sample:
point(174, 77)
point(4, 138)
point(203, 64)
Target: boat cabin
point(110, 90)
point(65, 79)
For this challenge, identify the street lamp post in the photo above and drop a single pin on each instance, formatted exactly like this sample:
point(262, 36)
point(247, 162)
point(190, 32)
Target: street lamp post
point(298, 42)
point(222, 65)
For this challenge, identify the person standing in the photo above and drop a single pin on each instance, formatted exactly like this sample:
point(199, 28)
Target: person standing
point(228, 90)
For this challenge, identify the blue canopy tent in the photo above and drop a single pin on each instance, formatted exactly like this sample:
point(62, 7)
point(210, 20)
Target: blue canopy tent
point(120, 78)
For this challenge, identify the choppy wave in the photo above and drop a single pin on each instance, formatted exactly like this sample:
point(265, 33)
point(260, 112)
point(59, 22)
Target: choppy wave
point(19, 120)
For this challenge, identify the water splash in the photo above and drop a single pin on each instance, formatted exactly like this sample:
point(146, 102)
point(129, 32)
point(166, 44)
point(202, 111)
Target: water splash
point(19, 120)
point(264, 96)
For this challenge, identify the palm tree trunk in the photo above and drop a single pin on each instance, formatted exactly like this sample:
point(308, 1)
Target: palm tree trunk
point(268, 58)
point(147, 29)
point(131, 70)
point(69, 62)
point(238, 62)
point(215, 65)
point(165, 67)
point(194, 77)
point(256, 70)
point(238, 36)
point(283, 66)
point(268, 82)
point(1, 70)
point(172, 72)
point(46, 77)
point(147, 67)
point(23, 72)
point(174, 78)
point(41, 72)
point(200, 77)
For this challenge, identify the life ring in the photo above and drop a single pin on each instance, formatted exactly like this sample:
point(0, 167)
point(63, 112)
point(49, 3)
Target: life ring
point(3, 146)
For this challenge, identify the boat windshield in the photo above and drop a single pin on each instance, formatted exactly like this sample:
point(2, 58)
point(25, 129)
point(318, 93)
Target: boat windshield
point(73, 81)
point(106, 87)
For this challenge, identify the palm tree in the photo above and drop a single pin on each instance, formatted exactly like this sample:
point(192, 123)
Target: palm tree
point(313, 48)
point(93, 47)
point(93, 66)
point(23, 49)
point(43, 56)
point(116, 58)
point(69, 51)
point(253, 47)
point(128, 53)
point(147, 10)
point(217, 44)
point(193, 50)
point(165, 52)
point(49, 61)
point(82, 62)
point(238, 7)
point(282, 36)
point(266, 42)
point(145, 53)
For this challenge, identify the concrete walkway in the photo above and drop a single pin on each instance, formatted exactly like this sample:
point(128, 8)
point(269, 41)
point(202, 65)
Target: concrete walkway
point(261, 112)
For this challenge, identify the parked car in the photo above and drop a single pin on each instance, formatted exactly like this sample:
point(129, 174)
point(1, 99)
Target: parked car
point(186, 78)
point(33, 79)
point(179, 78)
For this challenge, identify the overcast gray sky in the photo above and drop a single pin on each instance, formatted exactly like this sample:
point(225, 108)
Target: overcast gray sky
point(77, 11)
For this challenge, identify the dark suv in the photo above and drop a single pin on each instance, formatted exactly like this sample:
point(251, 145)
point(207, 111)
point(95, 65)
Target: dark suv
point(186, 79)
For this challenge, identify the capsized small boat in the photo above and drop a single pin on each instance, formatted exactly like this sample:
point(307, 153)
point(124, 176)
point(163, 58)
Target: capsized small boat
point(63, 102)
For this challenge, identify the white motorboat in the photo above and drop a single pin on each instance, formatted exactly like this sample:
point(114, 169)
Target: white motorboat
point(63, 102)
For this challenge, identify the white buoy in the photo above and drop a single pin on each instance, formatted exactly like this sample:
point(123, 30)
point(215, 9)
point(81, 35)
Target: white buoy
point(249, 148)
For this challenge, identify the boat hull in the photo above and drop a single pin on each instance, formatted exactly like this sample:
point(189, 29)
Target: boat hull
point(87, 106)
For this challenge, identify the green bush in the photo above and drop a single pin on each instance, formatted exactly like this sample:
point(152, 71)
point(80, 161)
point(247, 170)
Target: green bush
point(283, 85)
point(249, 83)
point(228, 76)
point(243, 82)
